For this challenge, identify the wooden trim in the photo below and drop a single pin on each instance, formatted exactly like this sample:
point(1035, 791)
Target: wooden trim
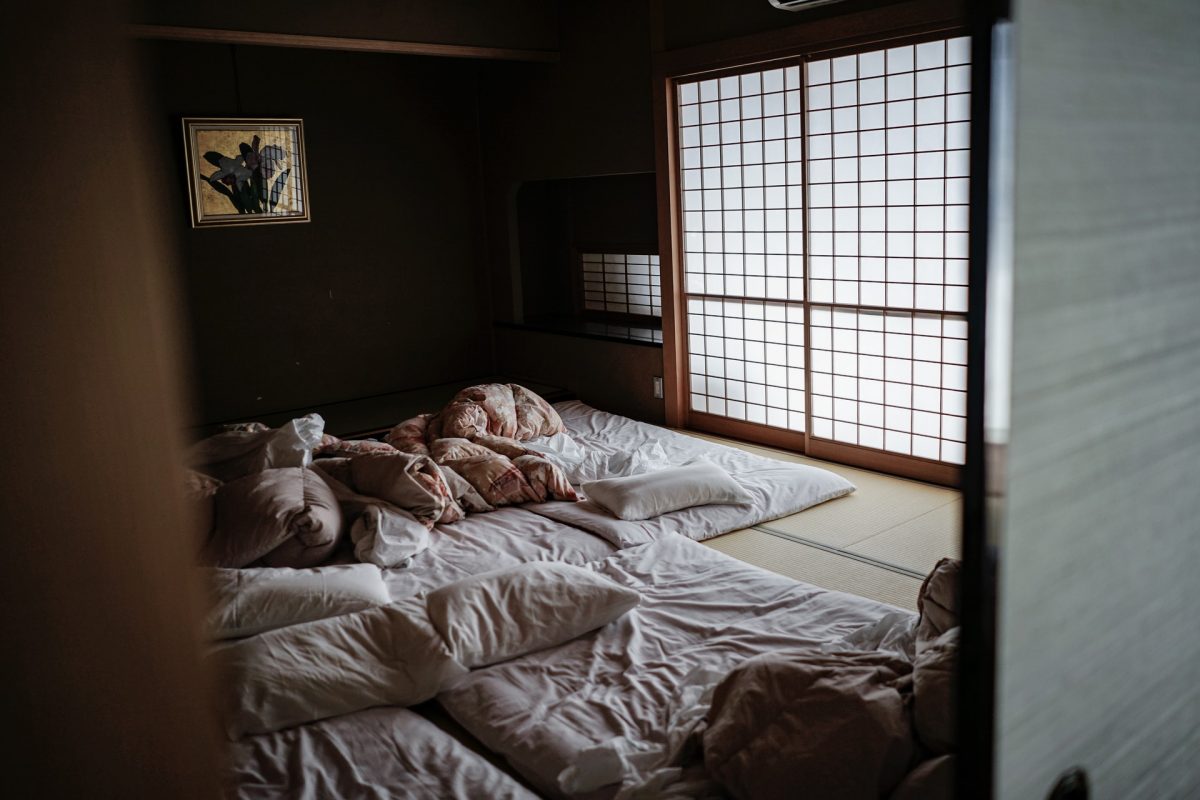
point(807, 300)
point(625, 248)
point(982, 546)
point(670, 263)
point(915, 467)
point(751, 432)
point(941, 30)
point(549, 329)
point(264, 39)
point(832, 303)
point(847, 31)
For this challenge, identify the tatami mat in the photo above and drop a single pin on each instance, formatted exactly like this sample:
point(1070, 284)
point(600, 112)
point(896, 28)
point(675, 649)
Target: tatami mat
point(880, 503)
point(903, 523)
point(819, 567)
point(919, 543)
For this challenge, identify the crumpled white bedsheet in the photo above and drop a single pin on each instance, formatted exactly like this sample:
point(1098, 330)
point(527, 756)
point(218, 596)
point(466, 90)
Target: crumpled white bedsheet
point(597, 444)
point(483, 542)
point(657, 771)
point(378, 754)
point(610, 704)
point(598, 459)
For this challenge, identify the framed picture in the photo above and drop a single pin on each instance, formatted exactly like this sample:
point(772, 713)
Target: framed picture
point(245, 171)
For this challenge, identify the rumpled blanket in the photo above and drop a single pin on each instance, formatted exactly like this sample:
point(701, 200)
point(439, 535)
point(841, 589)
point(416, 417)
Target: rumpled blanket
point(501, 409)
point(780, 726)
point(478, 436)
point(413, 483)
point(430, 470)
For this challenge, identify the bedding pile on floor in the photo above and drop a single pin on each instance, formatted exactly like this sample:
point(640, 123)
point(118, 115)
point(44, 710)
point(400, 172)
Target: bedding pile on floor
point(432, 469)
point(778, 721)
point(592, 645)
point(493, 445)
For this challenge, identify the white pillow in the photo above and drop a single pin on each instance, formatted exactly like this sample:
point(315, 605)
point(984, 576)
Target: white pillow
point(250, 601)
point(506, 613)
point(650, 494)
point(384, 656)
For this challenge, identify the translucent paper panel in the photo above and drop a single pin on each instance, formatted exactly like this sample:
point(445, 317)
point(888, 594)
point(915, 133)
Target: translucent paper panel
point(891, 380)
point(888, 139)
point(746, 360)
point(742, 183)
point(841, 186)
point(626, 283)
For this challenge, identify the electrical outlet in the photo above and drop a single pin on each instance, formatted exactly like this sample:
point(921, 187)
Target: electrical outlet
point(658, 387)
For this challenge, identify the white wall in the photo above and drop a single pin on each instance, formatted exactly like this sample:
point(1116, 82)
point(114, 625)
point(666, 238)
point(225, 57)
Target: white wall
point(1099, 651)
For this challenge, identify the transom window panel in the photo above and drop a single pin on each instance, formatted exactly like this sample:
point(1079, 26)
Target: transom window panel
point(623, 283)
point(824, 208)
point(891, 380)
point(746, 360)
point(743, 189)
point(888, 155)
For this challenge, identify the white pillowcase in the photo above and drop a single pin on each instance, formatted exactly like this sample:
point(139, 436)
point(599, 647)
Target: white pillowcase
point(384, 656)
point(506, 613)
point(650, 494)
point(250, 601)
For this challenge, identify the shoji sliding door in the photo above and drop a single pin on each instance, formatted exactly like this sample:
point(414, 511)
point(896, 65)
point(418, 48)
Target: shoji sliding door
point(823, 205)
point(743, 222)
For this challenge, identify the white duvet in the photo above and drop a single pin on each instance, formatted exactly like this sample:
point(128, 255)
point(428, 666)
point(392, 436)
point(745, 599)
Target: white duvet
point(610, 711)
point(599, 445)
point(380, 754)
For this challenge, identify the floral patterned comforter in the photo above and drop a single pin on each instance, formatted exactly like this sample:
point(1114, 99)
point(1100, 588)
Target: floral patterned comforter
point(477, 436)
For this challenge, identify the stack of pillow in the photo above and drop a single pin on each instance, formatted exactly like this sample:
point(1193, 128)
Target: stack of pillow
point(258, 501)
point(328, 641)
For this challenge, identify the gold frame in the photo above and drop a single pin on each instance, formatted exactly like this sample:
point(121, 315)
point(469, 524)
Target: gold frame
point(190, 125)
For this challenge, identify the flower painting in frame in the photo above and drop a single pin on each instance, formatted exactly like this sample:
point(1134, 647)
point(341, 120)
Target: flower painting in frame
point(245, 171)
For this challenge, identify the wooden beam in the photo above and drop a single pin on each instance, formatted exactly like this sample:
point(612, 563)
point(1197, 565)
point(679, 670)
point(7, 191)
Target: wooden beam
point(670, 255)
point(826, 35)
point(264, 39)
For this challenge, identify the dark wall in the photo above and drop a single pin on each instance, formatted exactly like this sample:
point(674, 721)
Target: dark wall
point(416, 166)
point(589, 114)
point(613, 209)
point(544, 245)
point(553, 217)
point(383, 290)
point(524, 24)
point(612, 376)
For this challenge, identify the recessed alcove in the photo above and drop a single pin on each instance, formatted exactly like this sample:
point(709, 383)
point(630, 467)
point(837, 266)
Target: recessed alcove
point(563, 223)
